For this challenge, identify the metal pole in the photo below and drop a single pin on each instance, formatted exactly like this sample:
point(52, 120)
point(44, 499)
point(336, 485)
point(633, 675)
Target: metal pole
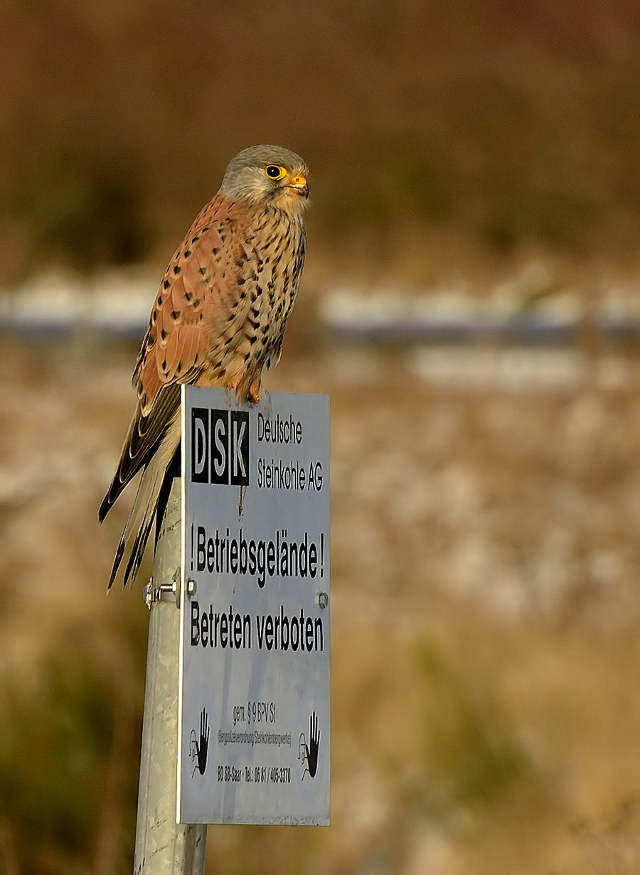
point(164, 847)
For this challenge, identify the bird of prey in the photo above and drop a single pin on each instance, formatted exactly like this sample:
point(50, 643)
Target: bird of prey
point(218, 319)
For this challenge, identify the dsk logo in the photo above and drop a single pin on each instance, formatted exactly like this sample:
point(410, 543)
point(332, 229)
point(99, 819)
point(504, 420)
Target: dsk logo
point(219, 446)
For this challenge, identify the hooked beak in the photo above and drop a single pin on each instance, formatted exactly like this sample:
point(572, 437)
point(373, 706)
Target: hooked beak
point(299, 184)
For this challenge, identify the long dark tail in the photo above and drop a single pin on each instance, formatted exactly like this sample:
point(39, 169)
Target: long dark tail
point(143, 513)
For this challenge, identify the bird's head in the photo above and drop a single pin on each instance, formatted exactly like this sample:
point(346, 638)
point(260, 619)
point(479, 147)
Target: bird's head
point(268, 174)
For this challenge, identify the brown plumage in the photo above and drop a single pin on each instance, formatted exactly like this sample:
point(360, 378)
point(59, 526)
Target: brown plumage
point(218, 319)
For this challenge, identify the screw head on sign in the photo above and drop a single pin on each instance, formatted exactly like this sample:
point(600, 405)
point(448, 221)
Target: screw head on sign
point(322, 599)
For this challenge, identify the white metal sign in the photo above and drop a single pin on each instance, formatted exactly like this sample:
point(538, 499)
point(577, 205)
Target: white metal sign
point(254, 719)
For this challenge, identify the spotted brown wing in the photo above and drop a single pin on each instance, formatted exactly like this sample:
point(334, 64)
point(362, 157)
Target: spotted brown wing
point(188, 314)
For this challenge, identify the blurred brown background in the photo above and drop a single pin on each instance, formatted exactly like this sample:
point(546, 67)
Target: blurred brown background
point(485, 500)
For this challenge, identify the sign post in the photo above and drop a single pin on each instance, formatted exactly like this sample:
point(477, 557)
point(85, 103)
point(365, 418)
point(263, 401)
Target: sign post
point(164, 847)
point(254, 709)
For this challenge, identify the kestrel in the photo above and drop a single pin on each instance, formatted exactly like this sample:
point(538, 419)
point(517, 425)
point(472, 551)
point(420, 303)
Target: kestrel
point(218, 319)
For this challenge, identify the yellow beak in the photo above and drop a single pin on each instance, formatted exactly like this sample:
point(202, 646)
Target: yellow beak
point(300, 185)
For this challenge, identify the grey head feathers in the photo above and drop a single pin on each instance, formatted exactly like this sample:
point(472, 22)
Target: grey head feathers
point(245, 177)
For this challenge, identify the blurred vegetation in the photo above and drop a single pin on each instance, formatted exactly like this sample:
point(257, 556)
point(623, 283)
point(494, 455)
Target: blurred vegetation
point(470, 752)
point(509, 124)
point(66, 732)
point(69, 752)
point(71, 199)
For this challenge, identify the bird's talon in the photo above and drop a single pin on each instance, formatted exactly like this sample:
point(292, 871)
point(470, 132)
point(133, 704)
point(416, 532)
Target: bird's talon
point(254, 394)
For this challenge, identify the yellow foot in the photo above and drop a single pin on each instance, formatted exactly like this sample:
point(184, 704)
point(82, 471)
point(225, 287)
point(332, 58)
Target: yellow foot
point(254, 392)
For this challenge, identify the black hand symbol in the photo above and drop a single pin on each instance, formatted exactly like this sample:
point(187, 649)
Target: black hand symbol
point(203, 747)
point(314, 744)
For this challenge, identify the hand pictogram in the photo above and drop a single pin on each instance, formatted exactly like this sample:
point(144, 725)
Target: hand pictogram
point(308, 753)
point(200, 746)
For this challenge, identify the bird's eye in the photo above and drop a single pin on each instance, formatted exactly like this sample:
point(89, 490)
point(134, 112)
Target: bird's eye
point(274, 171)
